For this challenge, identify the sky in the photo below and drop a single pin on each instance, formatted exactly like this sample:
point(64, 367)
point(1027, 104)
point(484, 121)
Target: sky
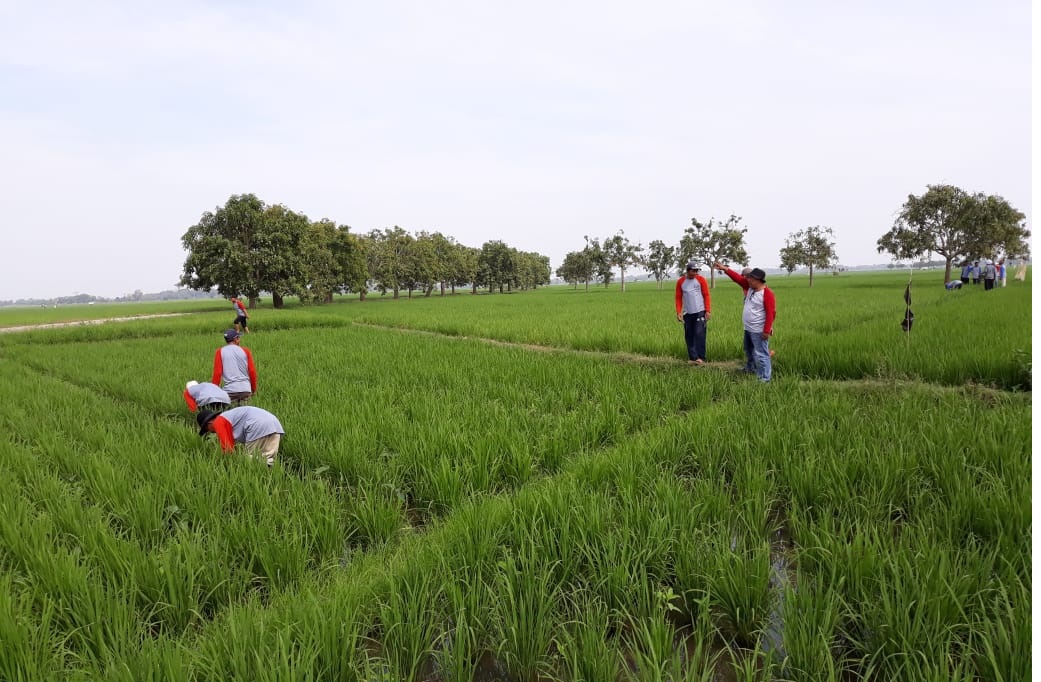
point(536, 123)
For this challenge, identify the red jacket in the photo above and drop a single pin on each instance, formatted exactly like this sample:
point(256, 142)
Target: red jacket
point(704, 293)
point(769, 302)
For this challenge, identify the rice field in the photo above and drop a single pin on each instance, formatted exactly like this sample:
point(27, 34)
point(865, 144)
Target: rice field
point(529, 487)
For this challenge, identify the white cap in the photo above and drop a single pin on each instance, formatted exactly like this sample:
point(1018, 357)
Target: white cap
point(190, 384)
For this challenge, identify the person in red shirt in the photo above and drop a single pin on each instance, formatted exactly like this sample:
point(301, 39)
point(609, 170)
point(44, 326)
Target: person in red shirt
point(693, 309)
point(241, 322)
point(234, 369)
point(258, 430)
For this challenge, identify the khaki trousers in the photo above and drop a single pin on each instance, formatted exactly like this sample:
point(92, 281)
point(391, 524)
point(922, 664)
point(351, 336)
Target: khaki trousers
point(266, 447)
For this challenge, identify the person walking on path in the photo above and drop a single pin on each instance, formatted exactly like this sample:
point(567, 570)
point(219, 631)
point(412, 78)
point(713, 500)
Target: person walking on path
point(241, 322)
point(758, 319)
point(693, 309)
point(233, 369)
point(990, 273)
point(257, 430)
point(206, 396)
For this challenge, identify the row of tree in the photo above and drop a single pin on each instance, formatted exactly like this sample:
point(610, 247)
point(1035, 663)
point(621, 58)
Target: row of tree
point(945, 220)
point(703, 242)
point(247, 247)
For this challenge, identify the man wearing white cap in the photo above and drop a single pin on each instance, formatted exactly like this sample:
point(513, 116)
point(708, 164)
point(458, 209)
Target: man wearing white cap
point(206, 396)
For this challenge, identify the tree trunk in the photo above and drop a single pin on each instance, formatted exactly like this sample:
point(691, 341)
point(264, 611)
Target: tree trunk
point(277, 301)
point(254, 301)
point(361, 295)
point(947, 272)
point(811, 274)
point(397, 292)
point(623, 279)
point(329, 297)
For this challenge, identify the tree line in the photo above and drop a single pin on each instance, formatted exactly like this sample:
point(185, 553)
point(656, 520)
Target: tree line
point(704, 242)
point(247, 247)
point(945, 220)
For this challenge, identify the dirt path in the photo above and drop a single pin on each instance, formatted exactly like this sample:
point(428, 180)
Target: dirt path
point(76, 323)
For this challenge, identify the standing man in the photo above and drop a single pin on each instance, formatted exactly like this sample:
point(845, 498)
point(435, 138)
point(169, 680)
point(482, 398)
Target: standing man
point(234, 369)
point(241, 318)
point(1001, 273)
point(206, 396)
point(990, 273)
point(758, 319)
point(975, 272)
point(966, 271)
point(693, 309)
point(258, 430)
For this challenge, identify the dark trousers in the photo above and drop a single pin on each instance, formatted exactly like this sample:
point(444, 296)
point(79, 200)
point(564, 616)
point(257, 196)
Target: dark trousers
point(694, 332)
point(988, 284)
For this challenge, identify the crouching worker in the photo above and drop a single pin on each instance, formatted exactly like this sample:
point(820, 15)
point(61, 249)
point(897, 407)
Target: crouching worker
point(258, 430)
point(206, 396)
point(953, 284)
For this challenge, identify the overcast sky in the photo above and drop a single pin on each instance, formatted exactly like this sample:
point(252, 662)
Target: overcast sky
point(531, 122)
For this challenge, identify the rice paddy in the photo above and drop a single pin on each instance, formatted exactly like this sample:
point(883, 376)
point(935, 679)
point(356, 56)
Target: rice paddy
point(532, 486)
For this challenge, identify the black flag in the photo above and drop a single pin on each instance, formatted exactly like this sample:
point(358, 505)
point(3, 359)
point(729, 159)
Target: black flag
point(908, 315)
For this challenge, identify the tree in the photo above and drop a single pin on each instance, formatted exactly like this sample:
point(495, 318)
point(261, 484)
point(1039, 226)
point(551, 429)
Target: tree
point(711, 242)
point(791, 256)
point(811, 247)
point(601, 267)
point(496, 265)
point(956, 225)
point(577, 267)
point(280, 249)
point(246, 247)
point(619, 252)
point(660, 259)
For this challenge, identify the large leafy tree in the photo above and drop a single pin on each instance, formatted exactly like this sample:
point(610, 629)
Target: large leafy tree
point(660, 259)
point(949, 221)
point(620, 253)
point(577, 267)
point(602, 271)
point(812, 246)
point(281, 248)
point(246, 247)
point(714, 241)
point(497, 266)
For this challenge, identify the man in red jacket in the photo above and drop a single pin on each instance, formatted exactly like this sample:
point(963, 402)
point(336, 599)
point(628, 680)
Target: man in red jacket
point(758, 319)
point(693, 309)
point(258, 430)
point(233, 366)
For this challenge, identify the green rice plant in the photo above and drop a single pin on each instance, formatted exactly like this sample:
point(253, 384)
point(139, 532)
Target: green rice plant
point(1000, 636)
point(525, 611)
point(587, 648)
point(811, 620)
point(458, 654)
point(409, 625)
point(31, 651)
point(739, 590)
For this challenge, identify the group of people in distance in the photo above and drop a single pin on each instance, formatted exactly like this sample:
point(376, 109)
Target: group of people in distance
point(220, 406)
point(990, 273)
point(694, 310)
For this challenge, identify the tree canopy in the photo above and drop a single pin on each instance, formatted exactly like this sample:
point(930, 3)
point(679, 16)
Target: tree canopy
point(247, 247)
point(812, 246)
point(711, 242)
point(949, 221)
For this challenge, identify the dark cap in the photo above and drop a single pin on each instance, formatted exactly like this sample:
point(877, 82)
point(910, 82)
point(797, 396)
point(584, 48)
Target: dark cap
point(230, 335)
point(204, 418)
point(693, 266)
point(757, 273)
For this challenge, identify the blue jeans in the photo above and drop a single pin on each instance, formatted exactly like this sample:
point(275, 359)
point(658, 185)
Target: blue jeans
point(757, 355)
point(694, 332)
